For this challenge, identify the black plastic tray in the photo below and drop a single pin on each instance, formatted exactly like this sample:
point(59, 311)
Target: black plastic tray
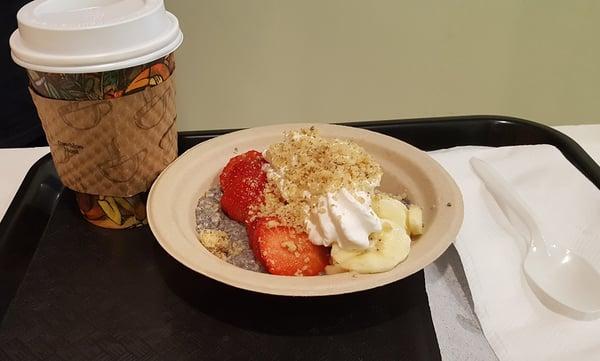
point(69, 290)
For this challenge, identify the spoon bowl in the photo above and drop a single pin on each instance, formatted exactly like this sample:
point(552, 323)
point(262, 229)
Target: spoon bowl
point(565, 277)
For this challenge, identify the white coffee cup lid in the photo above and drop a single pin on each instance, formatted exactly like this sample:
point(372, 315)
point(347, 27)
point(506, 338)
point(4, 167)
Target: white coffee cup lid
point(86, 36)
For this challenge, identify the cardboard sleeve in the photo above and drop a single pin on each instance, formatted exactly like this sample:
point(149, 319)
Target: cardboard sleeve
point(112, 147)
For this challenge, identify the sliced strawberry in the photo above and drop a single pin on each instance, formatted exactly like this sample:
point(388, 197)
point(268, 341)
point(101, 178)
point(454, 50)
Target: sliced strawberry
point(243, 183)
point(283, 251)
point(252, 236)
point(251, 230)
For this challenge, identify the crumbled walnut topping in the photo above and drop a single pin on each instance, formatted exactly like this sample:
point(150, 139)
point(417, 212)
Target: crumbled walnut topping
point(305, 166)
point(290, 246)
point(272, 224)
point(218, 243)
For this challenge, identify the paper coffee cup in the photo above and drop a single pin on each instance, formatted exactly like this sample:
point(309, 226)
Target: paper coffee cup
point(101, 77)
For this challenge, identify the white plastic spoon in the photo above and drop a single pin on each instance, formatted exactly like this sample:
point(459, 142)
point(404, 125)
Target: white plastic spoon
point(562, 275)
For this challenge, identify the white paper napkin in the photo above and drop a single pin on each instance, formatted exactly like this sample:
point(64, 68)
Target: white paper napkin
point(567, 206)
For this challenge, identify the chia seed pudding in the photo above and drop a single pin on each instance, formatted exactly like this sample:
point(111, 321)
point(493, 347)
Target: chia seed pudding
point(210, 217)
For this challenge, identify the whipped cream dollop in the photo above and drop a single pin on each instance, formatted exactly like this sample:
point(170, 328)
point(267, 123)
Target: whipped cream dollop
point(343, 218)
point(339, 217)
point(322, 186)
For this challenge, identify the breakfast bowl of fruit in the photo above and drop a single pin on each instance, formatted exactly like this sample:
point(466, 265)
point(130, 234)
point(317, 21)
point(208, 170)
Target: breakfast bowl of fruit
point(305, 209)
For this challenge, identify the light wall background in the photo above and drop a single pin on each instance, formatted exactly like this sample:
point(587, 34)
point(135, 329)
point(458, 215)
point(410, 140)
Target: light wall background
point(255, 62)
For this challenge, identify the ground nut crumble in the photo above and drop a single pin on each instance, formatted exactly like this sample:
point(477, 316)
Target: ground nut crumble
point(312, 166)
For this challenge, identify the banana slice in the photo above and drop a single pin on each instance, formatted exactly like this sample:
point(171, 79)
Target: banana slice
point(415, 220)
point(391, 209)
point(390, 247)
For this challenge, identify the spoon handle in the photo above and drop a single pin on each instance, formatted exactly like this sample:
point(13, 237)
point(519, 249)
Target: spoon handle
point(508, 199)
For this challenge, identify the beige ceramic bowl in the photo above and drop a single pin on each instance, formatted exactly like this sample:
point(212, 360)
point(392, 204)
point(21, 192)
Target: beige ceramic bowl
point(172, 202)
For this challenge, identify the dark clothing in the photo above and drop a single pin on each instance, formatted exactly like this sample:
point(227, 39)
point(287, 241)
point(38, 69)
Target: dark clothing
point(19, 123)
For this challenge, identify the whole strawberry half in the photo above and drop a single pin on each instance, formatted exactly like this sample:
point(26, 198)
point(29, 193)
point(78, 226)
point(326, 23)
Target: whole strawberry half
point(243, 183)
